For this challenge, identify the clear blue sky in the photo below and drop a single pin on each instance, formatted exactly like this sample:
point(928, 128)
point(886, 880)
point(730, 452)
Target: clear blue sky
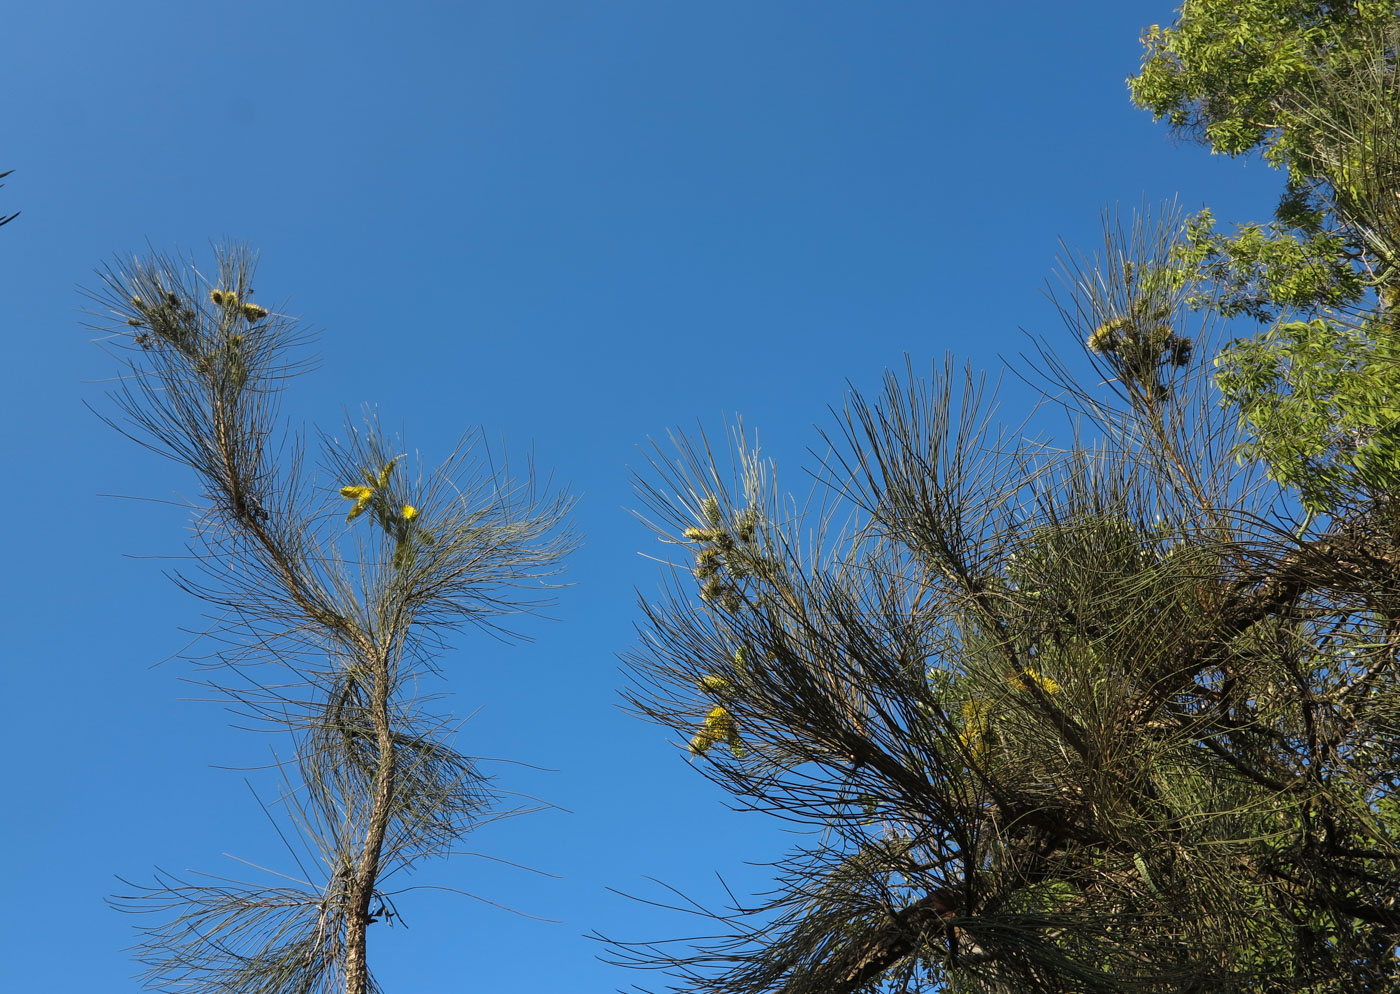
point(576, 224)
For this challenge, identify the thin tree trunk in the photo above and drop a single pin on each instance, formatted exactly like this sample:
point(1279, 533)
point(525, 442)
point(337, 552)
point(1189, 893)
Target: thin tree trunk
point(367, 872)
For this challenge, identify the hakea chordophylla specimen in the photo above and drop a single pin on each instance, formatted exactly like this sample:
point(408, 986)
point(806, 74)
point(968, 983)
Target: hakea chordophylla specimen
point(373, 785)
point(1112, 715)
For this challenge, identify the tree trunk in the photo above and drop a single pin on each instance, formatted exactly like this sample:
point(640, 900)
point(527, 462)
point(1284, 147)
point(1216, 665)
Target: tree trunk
point(367, 872)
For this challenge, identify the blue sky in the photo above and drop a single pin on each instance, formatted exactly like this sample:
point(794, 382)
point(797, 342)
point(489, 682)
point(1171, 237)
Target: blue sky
point(573, 224)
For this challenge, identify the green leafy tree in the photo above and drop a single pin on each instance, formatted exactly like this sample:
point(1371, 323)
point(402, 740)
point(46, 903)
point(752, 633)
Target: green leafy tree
point(329, 620)
point(1108, 717)
point(1232, 72)
point(1315, 88)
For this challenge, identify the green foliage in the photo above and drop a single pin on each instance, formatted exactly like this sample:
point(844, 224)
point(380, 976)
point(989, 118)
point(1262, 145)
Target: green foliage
point(1321, 402)
point(1267, 268)
point(1315, 87)
point(1229, 70)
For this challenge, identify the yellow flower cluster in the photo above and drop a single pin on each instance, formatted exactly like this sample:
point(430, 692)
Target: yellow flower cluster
point(977, 716)
point(227, 298)
point(726, 553)
point(704, 534)
point(363, 496)
point(1028, 676)
point(719, 728)
point(1105, 336)
point(1113, 333)
point(976, 722)
point(399, 521)
point(712, 683)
